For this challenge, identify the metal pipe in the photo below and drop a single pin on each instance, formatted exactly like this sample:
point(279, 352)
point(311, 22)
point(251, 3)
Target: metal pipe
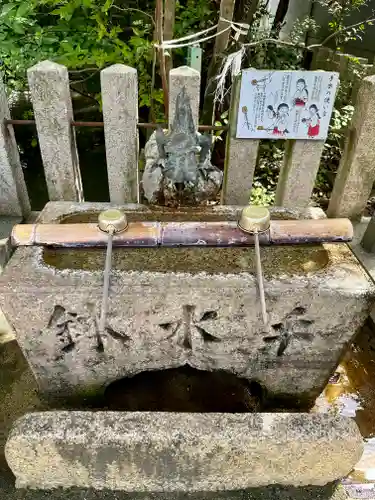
point(19, 122)
point(87, 124)
point(184, 234)
point(74, 123)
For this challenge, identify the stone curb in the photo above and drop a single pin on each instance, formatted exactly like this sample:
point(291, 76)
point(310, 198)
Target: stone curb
point(184, 452)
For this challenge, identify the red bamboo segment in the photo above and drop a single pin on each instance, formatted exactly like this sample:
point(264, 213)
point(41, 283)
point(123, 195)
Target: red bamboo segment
point(294, 232)
point(169, 234)
point(138, 234)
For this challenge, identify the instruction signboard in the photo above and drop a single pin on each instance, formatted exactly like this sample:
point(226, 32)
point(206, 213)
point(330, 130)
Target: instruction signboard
point(285, 104)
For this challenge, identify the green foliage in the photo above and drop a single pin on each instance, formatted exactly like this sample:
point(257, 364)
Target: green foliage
point(89, 34)
point(303, 26)
point(77, 33)
point(193, 16)
point(223, 121)
point(333, 149)
point(271, 155)
point(260, 195)
point(340, 12)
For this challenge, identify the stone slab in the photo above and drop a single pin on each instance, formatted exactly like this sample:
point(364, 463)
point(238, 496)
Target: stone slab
point(240, 166)
point(190, 79)
point(52, 104)
point(151, 451)
point(14, 199)
point(120, 113)
point(18, 396)
point(240, 159)
point(6, 225)
point(298, 173)
point(356, 173)
point(176, 307)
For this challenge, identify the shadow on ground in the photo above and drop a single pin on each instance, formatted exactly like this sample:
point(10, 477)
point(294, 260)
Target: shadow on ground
point(269, 493)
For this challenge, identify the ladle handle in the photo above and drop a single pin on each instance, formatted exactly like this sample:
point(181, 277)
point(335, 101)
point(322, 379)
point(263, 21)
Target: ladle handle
point(107, 272)
point(258, 264)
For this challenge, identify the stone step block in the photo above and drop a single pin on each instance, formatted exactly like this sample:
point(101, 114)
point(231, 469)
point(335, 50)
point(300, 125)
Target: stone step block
point(181, 452)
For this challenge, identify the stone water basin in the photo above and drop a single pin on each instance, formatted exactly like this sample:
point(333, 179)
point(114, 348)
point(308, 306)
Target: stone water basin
point(195, 307)
point(186, 320)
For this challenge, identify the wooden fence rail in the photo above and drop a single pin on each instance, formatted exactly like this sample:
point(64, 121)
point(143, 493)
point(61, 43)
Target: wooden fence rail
point(50, 95)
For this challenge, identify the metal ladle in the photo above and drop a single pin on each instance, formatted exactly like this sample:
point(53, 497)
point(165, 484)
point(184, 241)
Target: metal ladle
point(256, 220)
point(110, 221)
point(253, 220)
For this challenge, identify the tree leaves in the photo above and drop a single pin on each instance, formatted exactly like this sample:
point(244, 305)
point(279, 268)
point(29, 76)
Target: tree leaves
point(89, 33)
point(18, 28)
point(24, 8)
point(107, 5)
point(6, 10)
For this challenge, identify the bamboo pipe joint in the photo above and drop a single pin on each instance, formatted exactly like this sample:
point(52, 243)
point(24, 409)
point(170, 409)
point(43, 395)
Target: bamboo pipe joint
point(177, 234)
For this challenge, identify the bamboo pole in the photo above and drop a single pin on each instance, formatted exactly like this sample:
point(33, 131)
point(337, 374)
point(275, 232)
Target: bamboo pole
point(221, 43)
point(226, 14)
point(169, 19)
point(183, 234)
point(158, 37)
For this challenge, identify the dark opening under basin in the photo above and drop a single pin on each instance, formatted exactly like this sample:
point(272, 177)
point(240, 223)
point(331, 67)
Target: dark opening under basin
point(184, 389)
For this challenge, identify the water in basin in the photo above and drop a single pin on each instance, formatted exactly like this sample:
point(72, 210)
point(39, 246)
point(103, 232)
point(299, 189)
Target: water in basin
point(276, 261)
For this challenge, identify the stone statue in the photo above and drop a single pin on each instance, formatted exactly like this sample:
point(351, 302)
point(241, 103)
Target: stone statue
point(178, 167)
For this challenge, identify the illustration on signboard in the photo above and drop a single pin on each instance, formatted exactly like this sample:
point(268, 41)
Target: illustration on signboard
point(280, 119)
point(301, 95)
point(285, 104)
point(313, 121)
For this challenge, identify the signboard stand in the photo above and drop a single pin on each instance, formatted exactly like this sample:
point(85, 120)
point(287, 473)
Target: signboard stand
point(285, 104)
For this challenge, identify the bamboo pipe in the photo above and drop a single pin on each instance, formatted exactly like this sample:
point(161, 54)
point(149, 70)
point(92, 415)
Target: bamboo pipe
point(174, 234)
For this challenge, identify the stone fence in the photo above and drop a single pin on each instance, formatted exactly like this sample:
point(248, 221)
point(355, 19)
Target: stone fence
point(50, 94)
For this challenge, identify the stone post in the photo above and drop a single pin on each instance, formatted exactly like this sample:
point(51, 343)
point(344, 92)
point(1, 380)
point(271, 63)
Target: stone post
point(366, 70)
point(14, 199)
point(190, 79)
point(323, 59)
point(240, 158)
point(356, 172)
point(120, 112)
point(368, 239)
point(50, 94)
point(298, 173)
